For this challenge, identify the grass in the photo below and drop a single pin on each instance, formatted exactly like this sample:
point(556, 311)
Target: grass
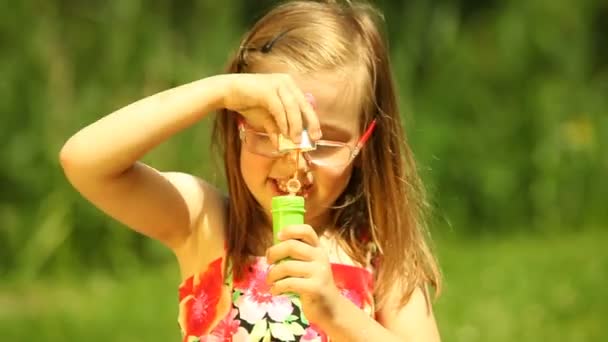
point(525, 289)
point(500, 289)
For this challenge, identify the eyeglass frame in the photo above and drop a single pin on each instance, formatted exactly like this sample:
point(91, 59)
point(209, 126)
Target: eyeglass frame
point(354, 150)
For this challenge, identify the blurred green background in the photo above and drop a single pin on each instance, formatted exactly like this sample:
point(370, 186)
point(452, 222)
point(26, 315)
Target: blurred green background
point(506, 107)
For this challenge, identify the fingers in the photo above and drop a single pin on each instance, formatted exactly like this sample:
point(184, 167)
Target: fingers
point(292, 112)
point(289, 268)
point(295, 285)
point(295, 112)
point(278, 97)
point(294, 249)
point(275, 107)
point(309, 116)
point(271, 128)
point(302, 232)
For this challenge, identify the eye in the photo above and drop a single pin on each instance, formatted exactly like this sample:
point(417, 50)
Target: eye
point(328, 153)
point(325, 150)
point(261, 140)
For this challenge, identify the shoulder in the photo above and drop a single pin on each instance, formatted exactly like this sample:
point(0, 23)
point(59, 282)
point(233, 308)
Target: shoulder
point(205, 202)
point(198, 194)
point(207, 206)
point(413, 321)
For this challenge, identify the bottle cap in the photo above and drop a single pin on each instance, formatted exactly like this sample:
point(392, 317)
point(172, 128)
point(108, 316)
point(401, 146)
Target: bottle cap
point(288, 203)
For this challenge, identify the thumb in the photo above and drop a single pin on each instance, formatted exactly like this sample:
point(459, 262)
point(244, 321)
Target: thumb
point(272, 130)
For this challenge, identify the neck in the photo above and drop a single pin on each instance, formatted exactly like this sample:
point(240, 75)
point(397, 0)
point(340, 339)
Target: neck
point(320, 224)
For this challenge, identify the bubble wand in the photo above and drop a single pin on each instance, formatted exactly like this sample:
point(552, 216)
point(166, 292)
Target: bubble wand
point(289, 209)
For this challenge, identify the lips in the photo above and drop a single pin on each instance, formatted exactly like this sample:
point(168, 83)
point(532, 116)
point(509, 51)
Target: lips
point(280, 187)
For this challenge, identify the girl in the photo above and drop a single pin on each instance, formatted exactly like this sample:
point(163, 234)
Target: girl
point(360, 266)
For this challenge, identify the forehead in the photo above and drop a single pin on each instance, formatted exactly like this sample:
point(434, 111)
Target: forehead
point(337, 99)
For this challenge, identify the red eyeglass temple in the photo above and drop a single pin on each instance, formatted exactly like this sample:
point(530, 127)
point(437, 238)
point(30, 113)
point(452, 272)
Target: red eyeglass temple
point(367, 134)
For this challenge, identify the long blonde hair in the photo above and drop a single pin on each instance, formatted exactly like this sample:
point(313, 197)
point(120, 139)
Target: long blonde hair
point(384, 199)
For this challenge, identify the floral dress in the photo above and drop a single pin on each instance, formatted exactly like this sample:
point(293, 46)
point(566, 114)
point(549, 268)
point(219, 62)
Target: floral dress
point(216, 309)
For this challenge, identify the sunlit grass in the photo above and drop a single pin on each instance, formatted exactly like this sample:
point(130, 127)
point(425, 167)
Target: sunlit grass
point(525, 289)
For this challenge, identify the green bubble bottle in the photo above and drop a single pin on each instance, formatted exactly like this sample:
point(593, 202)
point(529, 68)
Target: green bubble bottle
point(289, 209)
point(286, 210)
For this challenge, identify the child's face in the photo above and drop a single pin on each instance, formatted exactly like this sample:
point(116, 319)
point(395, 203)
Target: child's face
point(337, 106)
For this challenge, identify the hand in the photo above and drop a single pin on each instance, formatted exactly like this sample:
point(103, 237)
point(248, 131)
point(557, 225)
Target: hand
point(308, 272)
point(274, 102)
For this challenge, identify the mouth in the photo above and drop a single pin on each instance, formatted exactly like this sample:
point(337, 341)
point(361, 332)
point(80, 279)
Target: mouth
point(279, 186)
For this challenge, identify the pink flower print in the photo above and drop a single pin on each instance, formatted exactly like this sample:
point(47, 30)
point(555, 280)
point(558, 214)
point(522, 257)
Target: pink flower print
point(240, 336)
point(199, 296)
point(227, 326)
point(256, 299)
point(227, 330)
point(253, 308)
point(310, 335)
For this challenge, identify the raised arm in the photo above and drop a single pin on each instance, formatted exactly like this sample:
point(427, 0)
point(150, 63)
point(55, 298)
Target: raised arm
point(101, 162)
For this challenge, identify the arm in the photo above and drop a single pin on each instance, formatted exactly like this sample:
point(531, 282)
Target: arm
point(412, 323)
point(101, 162)
point(309, 275)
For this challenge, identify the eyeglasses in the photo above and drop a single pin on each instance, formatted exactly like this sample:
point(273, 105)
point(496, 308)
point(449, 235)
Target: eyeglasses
point(325, 153)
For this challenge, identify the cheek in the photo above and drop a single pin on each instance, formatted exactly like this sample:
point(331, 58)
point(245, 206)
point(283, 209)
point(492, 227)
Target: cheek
point(333, 182)
point(253, 167)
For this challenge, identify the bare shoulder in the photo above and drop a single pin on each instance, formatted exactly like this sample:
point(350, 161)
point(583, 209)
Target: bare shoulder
point(414, 321)
point(201, 198)
point(207, 206)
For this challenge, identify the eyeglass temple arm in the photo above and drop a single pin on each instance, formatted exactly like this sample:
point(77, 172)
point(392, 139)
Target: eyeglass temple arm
point(366, 135)
point(364, 138)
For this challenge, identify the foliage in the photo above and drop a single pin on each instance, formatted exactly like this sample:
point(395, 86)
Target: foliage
point(505, 105)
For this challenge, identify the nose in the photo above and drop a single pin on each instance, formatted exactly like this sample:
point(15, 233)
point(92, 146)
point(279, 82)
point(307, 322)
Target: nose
point(292, 163)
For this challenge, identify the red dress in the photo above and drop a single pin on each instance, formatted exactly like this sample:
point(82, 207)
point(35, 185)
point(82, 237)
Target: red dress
point(215, 308)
